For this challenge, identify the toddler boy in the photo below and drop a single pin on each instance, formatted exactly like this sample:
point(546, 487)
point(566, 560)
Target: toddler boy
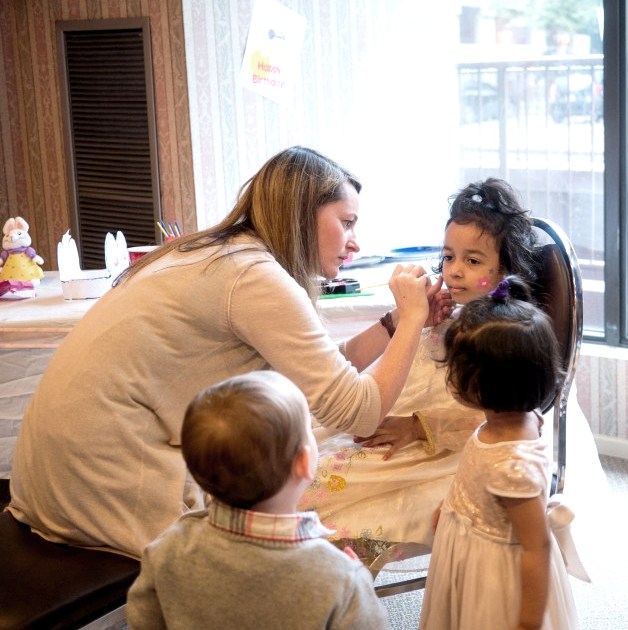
point(250, 560)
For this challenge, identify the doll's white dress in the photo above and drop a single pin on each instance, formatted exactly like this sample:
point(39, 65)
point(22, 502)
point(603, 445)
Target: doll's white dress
point(474, 574)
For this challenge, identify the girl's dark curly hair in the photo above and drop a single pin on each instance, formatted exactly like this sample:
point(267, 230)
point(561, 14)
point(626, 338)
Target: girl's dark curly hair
point(493, 206)
point(501, 351)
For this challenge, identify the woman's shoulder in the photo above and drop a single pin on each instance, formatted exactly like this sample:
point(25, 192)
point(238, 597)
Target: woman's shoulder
point(244, 247)
point(233, 256)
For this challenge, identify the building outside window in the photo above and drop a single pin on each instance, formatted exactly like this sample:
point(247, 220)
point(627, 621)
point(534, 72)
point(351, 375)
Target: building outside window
point(531, 87)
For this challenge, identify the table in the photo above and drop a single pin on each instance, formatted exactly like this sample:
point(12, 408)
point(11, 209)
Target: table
point(346, 316)
point(30, 330)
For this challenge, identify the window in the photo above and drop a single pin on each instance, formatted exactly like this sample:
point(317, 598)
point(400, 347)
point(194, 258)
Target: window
point(521, 91)
point(532, 93)
point(615, 181)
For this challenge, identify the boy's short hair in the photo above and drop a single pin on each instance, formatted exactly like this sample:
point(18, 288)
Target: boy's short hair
point(502, 353)
point(240, 437)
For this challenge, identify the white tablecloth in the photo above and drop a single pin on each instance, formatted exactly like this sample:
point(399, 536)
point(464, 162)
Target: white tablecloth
point(347, 316)
point(30, 330)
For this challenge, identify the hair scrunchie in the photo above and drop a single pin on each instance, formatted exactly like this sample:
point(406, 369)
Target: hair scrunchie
point(501, 292)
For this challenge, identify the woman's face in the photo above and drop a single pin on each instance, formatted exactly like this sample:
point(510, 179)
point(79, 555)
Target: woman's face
point(336, 236)
point(470, 262)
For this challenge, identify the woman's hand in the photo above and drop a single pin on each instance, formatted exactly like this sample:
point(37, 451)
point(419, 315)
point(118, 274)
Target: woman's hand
point(441, 303)
point(396, 431)
point(410, 288)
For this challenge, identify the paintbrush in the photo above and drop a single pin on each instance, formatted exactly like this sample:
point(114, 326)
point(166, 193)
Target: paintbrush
point(385, 284)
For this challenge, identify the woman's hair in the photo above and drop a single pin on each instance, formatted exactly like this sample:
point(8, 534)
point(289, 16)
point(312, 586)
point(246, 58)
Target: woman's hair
point(279, 205)
point(494, 207)
point(501, 351)
point(240, 437)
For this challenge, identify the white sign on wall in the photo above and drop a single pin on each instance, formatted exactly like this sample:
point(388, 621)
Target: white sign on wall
point(273, 49)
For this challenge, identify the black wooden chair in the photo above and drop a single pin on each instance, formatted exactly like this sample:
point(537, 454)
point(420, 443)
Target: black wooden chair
point(559, 294)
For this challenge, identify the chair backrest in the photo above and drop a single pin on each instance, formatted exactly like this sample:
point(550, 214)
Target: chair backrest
point(559, 294)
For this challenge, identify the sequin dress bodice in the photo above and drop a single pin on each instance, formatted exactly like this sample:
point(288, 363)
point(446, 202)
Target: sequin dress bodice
point(517, 469)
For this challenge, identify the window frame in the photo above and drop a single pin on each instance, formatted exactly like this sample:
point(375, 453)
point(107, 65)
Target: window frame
point(615, 176)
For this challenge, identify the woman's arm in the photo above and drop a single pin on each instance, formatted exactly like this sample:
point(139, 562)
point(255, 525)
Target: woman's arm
point(367, 346)
point(269, 317)
point(412, 292)
point(530, 527)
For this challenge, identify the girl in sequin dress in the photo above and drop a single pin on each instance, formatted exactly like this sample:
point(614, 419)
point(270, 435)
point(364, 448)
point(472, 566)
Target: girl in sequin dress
point(495, 563)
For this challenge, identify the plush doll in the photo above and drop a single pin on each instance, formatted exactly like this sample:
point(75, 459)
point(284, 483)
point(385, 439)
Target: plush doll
point(18, 260)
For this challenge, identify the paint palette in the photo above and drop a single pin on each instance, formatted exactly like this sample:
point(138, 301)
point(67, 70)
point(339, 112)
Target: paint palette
point(340, 286)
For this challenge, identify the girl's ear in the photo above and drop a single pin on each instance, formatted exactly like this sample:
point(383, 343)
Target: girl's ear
point(302, 465)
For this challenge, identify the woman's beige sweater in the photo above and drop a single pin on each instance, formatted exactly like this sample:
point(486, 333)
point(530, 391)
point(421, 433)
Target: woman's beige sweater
point(98, 460)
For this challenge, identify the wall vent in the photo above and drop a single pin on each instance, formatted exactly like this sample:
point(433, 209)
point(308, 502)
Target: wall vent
point(110, 132)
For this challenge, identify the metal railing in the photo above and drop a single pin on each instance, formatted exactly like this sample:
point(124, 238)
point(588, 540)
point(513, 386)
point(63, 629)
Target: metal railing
point(545, 112)
point(538, 123)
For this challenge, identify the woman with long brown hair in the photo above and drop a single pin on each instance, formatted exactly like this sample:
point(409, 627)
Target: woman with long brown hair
point(98, 460)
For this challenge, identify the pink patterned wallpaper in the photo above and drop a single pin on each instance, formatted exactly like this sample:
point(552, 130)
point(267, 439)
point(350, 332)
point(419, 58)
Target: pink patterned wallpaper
point(603, 393)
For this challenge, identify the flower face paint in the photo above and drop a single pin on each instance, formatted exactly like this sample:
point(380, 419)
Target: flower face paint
point(485, 282)
point(470, 262)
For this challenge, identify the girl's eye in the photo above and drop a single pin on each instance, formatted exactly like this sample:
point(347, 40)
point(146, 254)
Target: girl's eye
point(474, 261)
point(447, 258)
point(348, 224)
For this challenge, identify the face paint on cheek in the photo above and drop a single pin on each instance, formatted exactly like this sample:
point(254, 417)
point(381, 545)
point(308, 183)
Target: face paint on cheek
point(486, 281)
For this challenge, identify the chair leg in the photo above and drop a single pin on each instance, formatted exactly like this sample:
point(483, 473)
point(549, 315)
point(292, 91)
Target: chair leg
point(399, 552)
point(404, 586)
